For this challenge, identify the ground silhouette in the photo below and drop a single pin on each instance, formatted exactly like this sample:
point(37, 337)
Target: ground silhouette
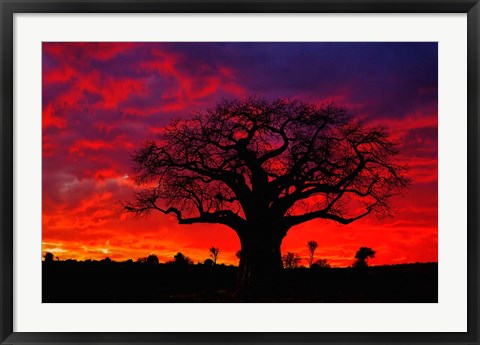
point(180, 280)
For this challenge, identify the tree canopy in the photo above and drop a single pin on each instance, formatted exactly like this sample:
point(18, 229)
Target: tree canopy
point(284, 161)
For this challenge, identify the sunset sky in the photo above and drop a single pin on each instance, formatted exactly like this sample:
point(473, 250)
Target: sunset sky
point(101, 101)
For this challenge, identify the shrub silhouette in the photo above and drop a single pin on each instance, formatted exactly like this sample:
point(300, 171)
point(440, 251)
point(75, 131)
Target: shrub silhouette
point(48, 257)
point(208, 262)
point(291, 260)
point(153, 260)
point(361, 257)
point(182, 260)
point(320, 263)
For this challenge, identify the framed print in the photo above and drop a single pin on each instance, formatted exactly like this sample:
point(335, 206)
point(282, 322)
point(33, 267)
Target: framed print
point(246, 172)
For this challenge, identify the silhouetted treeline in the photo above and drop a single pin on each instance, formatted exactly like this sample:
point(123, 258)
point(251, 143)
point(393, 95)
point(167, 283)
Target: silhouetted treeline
point(182, 281)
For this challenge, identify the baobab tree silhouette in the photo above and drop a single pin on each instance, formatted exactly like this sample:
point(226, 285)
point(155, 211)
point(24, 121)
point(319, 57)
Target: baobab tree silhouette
point(262, 167)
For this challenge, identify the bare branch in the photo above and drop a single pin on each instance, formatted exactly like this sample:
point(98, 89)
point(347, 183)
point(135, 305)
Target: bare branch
point(251, 161)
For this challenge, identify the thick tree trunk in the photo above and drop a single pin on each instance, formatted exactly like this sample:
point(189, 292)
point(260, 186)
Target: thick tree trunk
point(260, 267)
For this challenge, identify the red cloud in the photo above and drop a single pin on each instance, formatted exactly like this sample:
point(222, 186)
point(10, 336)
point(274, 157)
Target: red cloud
point(58, 75)
point(79, 147)
point(50, 119)
point(83, 52)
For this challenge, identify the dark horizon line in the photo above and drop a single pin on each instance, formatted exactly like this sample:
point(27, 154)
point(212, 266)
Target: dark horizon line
point(225, 264)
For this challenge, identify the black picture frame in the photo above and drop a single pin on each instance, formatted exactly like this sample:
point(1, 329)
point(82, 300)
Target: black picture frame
point(9, 7)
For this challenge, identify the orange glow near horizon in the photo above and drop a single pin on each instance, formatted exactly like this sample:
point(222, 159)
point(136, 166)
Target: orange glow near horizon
point(102, 100)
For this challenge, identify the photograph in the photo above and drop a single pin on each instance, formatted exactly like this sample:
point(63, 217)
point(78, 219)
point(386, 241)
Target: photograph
point(239, 172)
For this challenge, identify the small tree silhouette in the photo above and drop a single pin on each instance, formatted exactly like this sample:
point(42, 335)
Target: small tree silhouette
point(181, 259)
point(291, 260)
point(362, 256)
point(312, 247)
point(48, 257)
point(214, 254)
point(152, 260)
point(208, 262)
